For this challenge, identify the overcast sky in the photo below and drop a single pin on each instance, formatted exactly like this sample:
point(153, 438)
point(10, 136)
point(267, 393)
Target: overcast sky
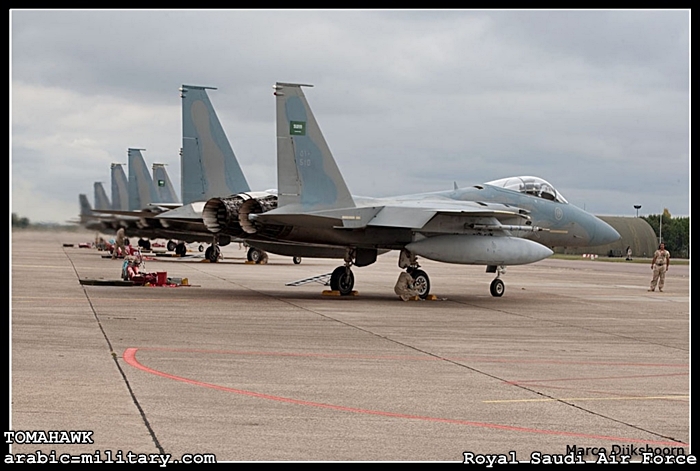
point(595, 102)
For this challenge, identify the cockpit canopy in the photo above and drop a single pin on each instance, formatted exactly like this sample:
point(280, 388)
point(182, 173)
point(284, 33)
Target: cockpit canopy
point(534, 186)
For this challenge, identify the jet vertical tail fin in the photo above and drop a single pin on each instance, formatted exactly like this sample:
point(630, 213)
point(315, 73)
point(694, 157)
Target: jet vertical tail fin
point(307, 174)
point(142, 191)
point(120, 188)
point(85, 209)
point(164, 187)
point(101, 199)
point(209, 167)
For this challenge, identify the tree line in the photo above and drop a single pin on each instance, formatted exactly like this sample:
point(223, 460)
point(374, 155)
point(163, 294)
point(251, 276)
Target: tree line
point(675, 232)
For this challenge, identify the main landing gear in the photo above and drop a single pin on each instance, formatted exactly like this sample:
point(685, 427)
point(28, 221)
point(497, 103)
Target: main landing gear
point(181, 249)
point(256, 255)
point(421, 281)
point(145, 244)
point(212, 253)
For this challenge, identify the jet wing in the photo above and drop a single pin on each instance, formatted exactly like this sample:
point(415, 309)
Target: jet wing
point(421, 216)
point(186, 212)
point(117, 212)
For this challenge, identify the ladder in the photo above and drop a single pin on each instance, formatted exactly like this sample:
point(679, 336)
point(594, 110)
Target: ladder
point(325, 280)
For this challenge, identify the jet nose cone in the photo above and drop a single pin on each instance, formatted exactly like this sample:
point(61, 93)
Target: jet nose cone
point(604, 234)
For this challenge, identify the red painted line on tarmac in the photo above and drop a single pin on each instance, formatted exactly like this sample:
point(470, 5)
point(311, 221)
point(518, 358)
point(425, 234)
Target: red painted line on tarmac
point(130, 357)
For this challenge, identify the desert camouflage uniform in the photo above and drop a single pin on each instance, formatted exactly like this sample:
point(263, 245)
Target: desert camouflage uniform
point(404, 286)
point(660, 265)
point(119, 247)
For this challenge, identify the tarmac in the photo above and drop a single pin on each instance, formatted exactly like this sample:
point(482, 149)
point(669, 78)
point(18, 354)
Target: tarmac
point(576, 360)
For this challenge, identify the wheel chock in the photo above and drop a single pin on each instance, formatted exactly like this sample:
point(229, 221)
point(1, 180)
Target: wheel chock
point(328, 292)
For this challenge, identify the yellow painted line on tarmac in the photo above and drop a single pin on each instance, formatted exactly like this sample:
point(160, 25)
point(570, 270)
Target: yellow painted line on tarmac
point(625, 398)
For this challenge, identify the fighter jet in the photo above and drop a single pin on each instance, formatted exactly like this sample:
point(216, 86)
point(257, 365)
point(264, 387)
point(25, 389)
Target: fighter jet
point(511, 221)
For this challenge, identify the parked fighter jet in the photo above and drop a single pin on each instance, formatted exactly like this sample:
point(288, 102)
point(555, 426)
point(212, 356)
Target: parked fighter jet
point(512, 221)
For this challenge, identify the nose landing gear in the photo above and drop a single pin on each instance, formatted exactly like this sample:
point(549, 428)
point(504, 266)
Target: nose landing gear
point(497, 287)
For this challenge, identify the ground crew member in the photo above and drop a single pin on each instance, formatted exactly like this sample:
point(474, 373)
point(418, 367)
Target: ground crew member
point(119, 247)
point(404, 286)
point(660, 263)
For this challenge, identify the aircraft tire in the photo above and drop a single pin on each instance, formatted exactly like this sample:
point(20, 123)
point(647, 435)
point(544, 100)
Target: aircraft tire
point(181, 249)
point(422, 282)
point(212, 253)
point(254, 255)
point(497, 288)
point(342, 280)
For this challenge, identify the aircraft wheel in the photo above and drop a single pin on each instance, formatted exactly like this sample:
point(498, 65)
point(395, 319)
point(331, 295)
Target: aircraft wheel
point(497, 288)
point(297, 260)
point(181, 249)
point(343, 280)
point(212, 253)
point(254, 255)
point(421, 282)
point(171, 246)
